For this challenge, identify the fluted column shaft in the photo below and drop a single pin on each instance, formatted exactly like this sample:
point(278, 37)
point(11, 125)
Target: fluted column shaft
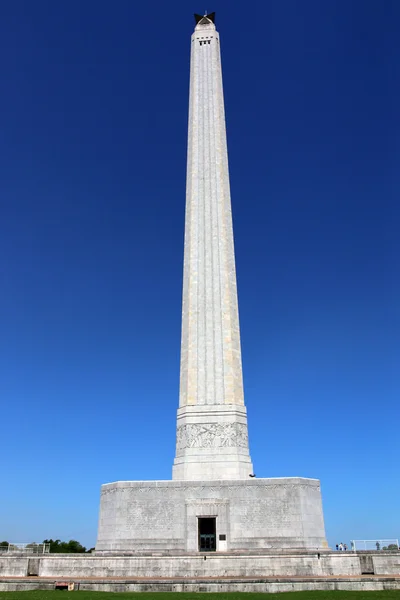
point(212, 423)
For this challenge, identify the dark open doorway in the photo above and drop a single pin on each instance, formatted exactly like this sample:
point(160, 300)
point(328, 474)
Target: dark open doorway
point(207, 534)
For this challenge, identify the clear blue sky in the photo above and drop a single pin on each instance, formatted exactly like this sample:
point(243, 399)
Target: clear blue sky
point(93, 105)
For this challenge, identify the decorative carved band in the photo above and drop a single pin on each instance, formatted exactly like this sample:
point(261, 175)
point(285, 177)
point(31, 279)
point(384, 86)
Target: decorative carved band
point(213, 435)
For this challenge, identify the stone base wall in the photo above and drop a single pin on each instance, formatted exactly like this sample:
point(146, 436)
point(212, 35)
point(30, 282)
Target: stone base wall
point(184, 567)
point(196, 566)
point(270, 587)
point(13, 566)
point(150, 516)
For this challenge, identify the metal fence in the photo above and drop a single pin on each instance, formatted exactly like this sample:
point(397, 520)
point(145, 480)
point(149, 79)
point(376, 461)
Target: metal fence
point(388, 544)
point(31, 548)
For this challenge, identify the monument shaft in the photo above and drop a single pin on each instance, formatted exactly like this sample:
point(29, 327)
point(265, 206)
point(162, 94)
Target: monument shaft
point(212, 440)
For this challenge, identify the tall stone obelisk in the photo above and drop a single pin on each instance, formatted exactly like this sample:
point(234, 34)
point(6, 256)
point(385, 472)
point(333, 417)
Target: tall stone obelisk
point(212, 440)
point(211, 504)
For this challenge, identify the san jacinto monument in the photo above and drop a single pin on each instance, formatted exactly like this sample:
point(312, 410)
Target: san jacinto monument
point(213, 501)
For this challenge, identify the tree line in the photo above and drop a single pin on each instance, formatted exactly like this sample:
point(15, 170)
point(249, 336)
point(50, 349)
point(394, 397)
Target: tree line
point(71, 547)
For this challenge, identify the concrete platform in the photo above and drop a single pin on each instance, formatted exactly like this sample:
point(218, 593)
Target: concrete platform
point(261, 571)
point(216, 584)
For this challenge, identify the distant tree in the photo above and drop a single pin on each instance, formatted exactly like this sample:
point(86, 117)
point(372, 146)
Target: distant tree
point(3, 544)
point(71, 547)
point(74, 547)
point(390, 547)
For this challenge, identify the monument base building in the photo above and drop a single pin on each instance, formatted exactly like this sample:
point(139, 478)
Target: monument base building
point(214, 502)
point(222, 516)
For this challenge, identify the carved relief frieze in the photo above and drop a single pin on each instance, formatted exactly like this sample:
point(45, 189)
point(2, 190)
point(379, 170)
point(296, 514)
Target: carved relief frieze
point(212, 435)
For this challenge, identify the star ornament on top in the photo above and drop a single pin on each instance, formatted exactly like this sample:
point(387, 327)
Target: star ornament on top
point(205, 19)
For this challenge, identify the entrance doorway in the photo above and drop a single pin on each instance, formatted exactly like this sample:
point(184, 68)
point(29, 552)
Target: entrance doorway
point(207, 534)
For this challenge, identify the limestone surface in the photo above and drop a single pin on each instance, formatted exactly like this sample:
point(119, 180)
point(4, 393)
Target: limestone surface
point(163, 515)
point(213, 498)
point(212, 441)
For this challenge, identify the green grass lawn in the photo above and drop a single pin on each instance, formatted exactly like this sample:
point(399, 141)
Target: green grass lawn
point(59, 594)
